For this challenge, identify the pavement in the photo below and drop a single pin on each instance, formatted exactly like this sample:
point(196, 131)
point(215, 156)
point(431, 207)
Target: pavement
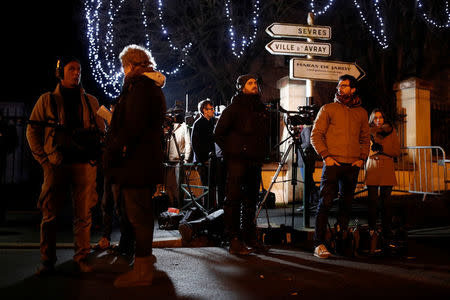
point(202, 270)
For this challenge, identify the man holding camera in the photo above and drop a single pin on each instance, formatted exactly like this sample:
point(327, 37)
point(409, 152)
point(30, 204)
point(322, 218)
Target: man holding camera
point(341, 137)
point(66, 160)
point(242, 133)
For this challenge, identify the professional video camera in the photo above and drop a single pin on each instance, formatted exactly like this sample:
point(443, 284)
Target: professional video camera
point(304, 116)
point(173, 116)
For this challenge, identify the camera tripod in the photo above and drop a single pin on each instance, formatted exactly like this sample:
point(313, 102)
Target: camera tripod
point(294, 149)
point(184, 188)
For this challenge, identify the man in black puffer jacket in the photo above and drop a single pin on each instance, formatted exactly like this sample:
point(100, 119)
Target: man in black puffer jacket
point(134, 156)
point(242, 133)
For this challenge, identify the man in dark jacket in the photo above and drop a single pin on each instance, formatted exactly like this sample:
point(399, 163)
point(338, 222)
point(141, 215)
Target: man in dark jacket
point(134, 157)
point(242, 134)
point(203, 138)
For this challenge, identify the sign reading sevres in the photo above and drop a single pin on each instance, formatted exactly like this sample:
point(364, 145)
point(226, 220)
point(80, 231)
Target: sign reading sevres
point(280, 47)
point(287, 30)
point(323, 70)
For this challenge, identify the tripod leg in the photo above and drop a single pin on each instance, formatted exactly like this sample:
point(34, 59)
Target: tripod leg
point(274, 178)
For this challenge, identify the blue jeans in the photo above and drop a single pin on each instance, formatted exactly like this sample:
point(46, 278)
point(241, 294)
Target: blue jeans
point(335, 179)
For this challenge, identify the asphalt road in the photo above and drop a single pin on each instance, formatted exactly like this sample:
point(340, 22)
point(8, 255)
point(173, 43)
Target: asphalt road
point(212, 273)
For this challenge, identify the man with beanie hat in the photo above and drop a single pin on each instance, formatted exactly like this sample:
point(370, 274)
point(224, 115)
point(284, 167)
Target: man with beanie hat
point(54, 122)
point(340, 135)
point(242, 133)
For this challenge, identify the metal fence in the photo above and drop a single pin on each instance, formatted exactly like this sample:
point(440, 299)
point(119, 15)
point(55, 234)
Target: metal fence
point(419, 170)
point(423, 170)
point(17, 164)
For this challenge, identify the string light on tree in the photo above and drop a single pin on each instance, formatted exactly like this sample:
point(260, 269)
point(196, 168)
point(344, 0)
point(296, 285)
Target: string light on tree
point(103, 60)
point(102, 52)
point(165, 32)
point(431, 21)
point(324, 10)
point(380, 36)
point(245, 41)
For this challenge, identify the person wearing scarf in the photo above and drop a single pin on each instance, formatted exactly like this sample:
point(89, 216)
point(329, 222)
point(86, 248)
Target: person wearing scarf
point(340, 135)
point(380, 174)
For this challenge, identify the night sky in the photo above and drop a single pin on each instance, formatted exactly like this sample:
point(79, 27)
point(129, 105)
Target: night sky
point(37, 34)
point(40, 31)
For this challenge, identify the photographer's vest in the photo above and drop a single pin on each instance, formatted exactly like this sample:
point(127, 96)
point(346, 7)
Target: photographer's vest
point(77, 145)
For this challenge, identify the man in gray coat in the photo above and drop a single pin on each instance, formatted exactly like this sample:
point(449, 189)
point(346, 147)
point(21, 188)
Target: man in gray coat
point(341, 137)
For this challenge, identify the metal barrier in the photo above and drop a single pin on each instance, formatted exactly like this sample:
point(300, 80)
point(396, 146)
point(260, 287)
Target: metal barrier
point(418, 170)
point(422, 169)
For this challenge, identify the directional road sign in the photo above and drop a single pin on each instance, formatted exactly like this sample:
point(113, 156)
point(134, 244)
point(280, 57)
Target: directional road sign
point(279, 47)
point(323, 70)
point(287, 30)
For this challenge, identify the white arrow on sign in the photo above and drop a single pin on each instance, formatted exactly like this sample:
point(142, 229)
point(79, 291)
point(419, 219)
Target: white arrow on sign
point(281, 30)
point(323, 70)
point(279, 47)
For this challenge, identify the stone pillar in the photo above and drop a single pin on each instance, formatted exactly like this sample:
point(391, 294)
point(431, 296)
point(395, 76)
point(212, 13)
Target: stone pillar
point(292, 95)
point(413, 100)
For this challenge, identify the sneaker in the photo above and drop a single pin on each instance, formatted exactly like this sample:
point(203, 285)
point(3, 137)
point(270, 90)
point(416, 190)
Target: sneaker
point(321, 251)
point(239, 248)
point(102, 244)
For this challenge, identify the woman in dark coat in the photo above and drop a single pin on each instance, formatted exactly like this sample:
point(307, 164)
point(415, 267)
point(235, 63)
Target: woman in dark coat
point(380, 175)
point(134, 156)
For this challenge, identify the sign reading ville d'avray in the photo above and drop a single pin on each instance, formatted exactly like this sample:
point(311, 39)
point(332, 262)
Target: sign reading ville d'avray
point(323, 70)
point(279, 47)
point(287, 30)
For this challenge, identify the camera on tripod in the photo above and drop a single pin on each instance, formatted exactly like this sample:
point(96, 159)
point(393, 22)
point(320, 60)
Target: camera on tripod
point(304, 116)
point(171, 117)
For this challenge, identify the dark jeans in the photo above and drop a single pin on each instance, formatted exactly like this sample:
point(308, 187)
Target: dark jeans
point(213, 176)
point(217, 186)
point(107, 205)
point(127, 238)
point(243, 181)
point(139, 211)
point(111, 201)
point(384, 202)
point(335, 179)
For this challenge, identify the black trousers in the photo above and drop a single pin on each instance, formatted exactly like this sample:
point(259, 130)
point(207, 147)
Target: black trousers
point(139, 212)
point(242, 190)
point(384, 203)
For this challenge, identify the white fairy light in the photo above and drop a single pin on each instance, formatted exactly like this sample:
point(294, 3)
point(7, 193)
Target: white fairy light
point(102, 52)
point(102, 59)
point(380, 36)
point(184, 50)
point(431, 21)
point(245, 41)
point(324, 10)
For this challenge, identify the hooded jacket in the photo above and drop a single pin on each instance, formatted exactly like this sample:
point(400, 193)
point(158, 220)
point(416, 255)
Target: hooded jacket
point(242, 131)
point(41, 138)
point(134, 155)
point(342, 132)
